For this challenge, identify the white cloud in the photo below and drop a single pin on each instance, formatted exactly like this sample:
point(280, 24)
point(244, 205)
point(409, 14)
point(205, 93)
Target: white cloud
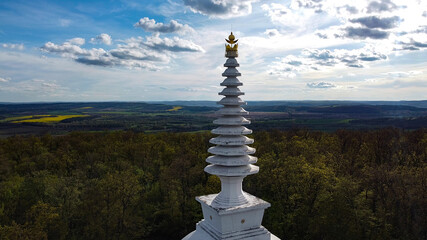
point(340, 34)
point(64, 22)
point(396, 82)
point(67, 49)
point(320, 85)
point(81, 82)
point(312, 60)
point(272, 32)
point(102, 38)
point(46, 86)
point(16, 46)
point(402, 74)
point(378, 20)
point(150, 25)
point(310, 43)
point(295, 20)
point(381, 6)
point(135, 53)
point(174, 44)
point(4, 79)
point(76, 41)
point(37, 86)
point(221, 8)
point(411, 41)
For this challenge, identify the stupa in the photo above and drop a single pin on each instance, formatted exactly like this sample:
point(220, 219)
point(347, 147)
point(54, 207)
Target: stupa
point(231, 214)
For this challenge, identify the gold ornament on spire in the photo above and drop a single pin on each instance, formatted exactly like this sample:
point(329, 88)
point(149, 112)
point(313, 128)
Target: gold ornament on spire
point(231, 39)
point(231, 48)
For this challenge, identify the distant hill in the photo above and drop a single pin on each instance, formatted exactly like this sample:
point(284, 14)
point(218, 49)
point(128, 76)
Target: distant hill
point(307, 103)
point(190, 116)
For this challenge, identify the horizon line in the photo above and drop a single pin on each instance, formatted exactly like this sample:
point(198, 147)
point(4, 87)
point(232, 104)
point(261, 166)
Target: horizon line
point(153, 101)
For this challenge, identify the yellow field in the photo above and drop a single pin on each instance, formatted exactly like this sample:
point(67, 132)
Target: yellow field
point(174, 109)
point(22, 117)
point(50, 119)
point(85, 107)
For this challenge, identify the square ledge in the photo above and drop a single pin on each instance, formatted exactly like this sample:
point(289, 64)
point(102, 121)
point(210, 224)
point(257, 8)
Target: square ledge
point(253, 204)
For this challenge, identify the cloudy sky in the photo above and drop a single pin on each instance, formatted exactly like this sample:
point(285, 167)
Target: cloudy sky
point(174, 49)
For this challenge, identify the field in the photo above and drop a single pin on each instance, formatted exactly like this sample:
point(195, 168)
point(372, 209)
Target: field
point(194, 116)
point(174, 109)
point(45, 118)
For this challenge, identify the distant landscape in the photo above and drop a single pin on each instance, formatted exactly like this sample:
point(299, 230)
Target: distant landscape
point(131, 170)
point(193, 116)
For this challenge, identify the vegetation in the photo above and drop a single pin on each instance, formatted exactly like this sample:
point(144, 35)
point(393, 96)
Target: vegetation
point(176, 108)
point(38, 118)
point(127, 185)
point(48, 119)
point(14, 119)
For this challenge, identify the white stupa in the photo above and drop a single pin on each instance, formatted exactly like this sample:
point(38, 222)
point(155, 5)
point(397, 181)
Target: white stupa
point(233, 213)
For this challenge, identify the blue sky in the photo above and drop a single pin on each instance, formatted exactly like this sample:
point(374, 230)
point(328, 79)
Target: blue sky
point(174, 49)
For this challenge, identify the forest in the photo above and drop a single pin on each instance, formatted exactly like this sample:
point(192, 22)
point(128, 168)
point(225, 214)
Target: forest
point(346, 184)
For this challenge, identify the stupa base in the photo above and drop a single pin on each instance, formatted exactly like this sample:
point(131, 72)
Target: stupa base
point(201, 234)
point(253, 234)
point(232, 223)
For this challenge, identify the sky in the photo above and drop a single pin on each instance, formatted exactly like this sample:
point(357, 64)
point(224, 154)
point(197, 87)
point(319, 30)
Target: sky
point(155, 50)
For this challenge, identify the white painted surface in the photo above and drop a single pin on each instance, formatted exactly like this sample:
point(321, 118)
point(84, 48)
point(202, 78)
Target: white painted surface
point(231, 150)
point(231, 140)
point(231, 161)
point(231, 130)
point(232, 100)
point(232, 120)
point(231, 91)
point(231, 171)
point(231, 81)
point(231, 214)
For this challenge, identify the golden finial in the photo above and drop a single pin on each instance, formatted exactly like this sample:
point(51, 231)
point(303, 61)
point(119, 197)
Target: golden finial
point(231, 48)
point(231, 39)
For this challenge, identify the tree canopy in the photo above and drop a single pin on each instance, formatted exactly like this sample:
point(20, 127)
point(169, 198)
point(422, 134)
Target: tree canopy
point(126, 185)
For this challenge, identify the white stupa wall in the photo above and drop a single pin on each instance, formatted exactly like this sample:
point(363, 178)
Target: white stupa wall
point(233, 213)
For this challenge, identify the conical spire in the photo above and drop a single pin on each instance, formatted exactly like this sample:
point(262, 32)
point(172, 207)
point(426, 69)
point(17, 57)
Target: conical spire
point(231, 214)
point(232, 155)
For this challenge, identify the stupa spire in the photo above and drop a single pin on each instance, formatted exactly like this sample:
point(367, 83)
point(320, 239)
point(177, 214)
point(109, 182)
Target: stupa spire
point(231, 162)
point(232, 213)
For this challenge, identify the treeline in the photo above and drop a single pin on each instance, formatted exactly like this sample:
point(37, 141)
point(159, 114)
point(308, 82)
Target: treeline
point(126, 185)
